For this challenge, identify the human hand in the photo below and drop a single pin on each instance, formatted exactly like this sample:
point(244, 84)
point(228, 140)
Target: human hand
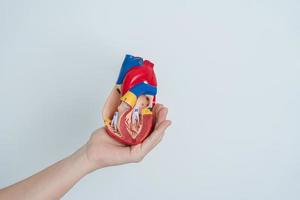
point(102, 150)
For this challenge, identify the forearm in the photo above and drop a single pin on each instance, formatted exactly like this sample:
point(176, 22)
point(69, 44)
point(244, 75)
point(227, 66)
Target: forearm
point(53, 182)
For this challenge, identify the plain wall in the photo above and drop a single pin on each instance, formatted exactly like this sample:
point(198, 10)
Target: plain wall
point(229, 71)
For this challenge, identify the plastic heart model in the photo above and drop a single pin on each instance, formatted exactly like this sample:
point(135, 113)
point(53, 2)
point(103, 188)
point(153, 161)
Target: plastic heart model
point(127, 112)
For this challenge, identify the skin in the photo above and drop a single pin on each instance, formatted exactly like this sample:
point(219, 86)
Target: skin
point(99, 152)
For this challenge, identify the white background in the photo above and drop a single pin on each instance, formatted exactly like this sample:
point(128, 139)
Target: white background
point(228, 71)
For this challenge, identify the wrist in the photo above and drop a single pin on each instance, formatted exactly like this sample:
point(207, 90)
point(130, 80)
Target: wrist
point(81, 161)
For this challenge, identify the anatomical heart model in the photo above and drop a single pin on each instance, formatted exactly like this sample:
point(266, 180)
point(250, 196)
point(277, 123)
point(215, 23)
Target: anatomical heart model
point(127, 112)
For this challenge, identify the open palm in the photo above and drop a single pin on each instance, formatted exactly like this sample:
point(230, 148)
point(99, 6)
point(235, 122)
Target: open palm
point(103, 151)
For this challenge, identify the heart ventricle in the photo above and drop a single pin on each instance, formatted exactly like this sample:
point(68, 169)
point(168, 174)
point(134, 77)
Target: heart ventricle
point(129, 133)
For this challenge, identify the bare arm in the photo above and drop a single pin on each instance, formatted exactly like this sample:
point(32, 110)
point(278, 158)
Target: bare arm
point(100, 151)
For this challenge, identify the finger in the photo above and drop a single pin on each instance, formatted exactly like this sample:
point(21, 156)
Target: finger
point(156, 106)
point(157, 109)
point(161, 116)
point(155, 137)
point(155, 112)
point(161, 128)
